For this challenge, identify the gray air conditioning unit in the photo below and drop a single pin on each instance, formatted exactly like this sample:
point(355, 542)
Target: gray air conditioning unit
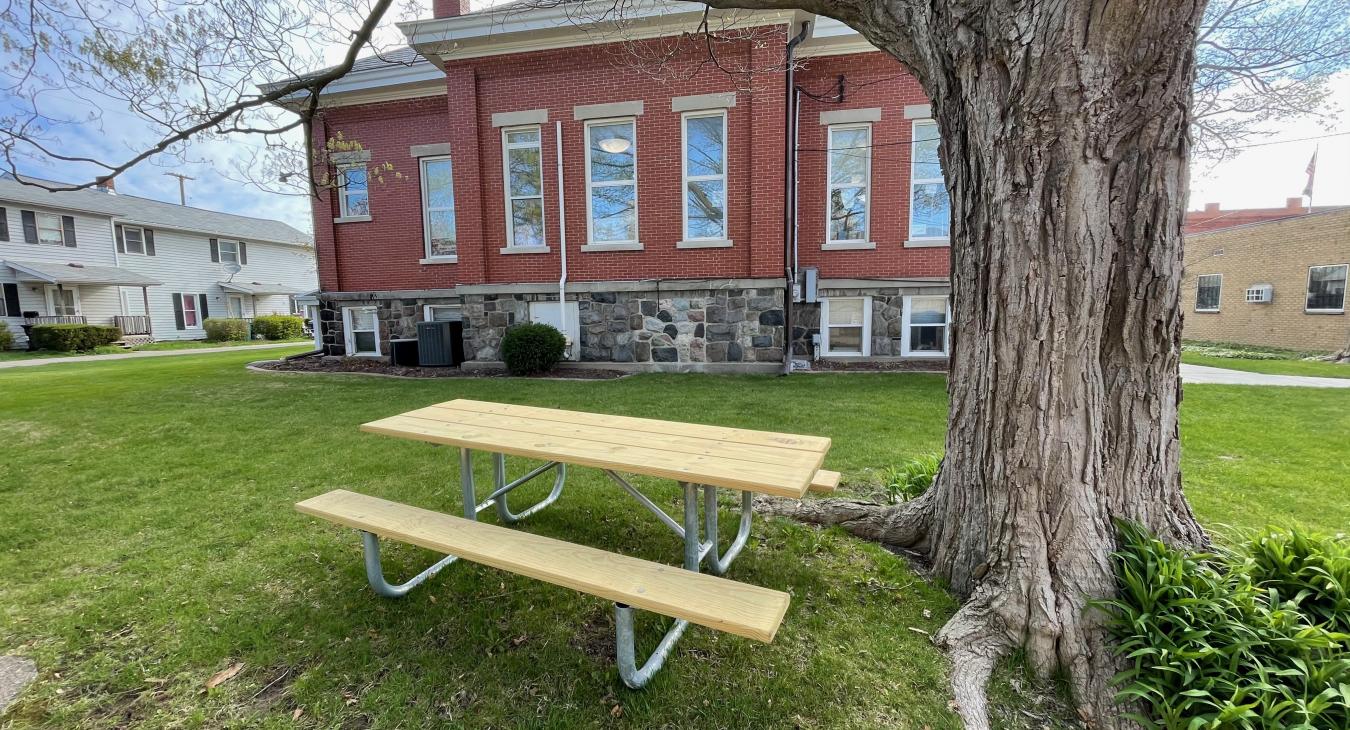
point(440, 344)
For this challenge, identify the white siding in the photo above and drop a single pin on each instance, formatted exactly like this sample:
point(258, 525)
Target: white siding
point(183, 262)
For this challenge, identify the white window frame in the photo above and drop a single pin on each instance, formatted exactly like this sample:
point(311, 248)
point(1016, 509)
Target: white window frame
point(686, 178)
point(60, 228)
point(1308, 286)
point(49, 294)
point(830, 187)
point(427, 209)
point(428, 310)
point(905, 326)
point(188, 302)
point(591, 185)
point(916, 181)
point(506, 184)
point(140, 240)
point(825, 327)
point(1218, 306)
point(233, 253)
point(344, 204)
point(348, 332)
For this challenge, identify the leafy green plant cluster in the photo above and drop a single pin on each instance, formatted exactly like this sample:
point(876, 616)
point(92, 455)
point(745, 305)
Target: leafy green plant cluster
point(1247, 638)
point(220, 329)
point(912, 478)
point(279, 326)
point(6, 337)
point(73, 337)
point(532, 347)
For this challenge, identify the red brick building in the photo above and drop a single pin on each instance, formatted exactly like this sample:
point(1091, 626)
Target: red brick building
point(514, 158)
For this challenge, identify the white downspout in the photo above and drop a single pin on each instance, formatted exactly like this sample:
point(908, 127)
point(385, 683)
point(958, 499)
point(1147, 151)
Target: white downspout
point(562, 238)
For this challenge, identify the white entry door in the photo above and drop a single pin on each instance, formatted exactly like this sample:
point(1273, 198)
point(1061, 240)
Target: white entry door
point(63, 302)
point(235, 306)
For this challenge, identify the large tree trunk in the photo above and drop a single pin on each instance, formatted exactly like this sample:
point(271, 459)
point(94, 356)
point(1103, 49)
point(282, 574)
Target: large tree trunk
point(1064, 143)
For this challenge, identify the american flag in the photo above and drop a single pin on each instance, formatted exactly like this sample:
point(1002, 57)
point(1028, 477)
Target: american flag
point(1312, 172)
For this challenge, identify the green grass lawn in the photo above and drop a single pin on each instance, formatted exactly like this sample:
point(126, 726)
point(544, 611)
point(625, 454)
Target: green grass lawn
point(150, 541)
point(1313, 368)
point(153, 346)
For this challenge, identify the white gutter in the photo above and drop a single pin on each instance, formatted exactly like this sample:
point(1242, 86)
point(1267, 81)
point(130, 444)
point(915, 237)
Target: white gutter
point(562, 235)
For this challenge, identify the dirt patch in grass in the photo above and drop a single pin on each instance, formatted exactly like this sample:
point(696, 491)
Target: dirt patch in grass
point(372, 366)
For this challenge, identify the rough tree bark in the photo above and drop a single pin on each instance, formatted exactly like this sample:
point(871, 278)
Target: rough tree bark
point(1065, 144)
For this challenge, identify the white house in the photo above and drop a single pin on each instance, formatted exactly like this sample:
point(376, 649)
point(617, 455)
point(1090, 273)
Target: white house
point(154, 269)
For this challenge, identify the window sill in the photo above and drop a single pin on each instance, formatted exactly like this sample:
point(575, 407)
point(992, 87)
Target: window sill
point(352, 219)
point(848, 246)
point(703, 243)
point(1324, 311)
point(928, 243)
point(597, 247)
point(922, 355)
point(364, 354)
point(439, 260)
point(1206, 311)
point(524, 249)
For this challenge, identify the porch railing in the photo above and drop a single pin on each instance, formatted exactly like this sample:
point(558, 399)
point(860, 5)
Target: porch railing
point(132, 325)
point(57, 319)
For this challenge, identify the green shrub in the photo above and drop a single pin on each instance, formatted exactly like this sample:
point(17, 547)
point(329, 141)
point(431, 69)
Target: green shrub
point(219, 329)
point(912, 478)
point(6, 337)
point(1233, 639)
point(532, 348)
point(74, 337)
point(279, 327)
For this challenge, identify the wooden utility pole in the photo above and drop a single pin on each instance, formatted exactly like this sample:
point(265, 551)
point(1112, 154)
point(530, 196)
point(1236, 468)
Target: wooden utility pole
point(182, 191)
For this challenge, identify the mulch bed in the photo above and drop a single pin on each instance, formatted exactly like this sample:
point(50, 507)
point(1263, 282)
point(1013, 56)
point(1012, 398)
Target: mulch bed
point(372, 366)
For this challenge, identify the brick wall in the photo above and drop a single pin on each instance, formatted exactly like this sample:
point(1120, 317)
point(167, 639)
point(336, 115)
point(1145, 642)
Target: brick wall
point(1276, 253)
point(384, 253)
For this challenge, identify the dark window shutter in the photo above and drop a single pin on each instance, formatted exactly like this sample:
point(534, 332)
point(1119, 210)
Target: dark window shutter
point(202, 311)
point(29, 226)
point(243, 253)
point(68, 224)
point(149, 237)
point(121, 240)
point(178, 311)
point(215, 251)
point(11, 300)
point(4, 225)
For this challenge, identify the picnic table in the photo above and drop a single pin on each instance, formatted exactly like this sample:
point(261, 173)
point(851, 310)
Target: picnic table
point(699, 457)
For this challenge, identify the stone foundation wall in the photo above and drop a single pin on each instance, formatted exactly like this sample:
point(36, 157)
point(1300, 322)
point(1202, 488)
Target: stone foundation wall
point(887, 317)
point(398, 319)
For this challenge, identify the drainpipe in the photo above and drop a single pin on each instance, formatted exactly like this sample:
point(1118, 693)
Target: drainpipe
point(562, 236)
point(790, 196)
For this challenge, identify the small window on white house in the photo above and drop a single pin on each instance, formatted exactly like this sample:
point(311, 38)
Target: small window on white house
point(190, 316)
point(353, 191)
point(438, 207)
point(845, 326)
point(50, 230)
point(229, 252)
point(611, 181)
point(1326, 288)
point(930, 208)
point(441, 313)
point(705, 176)
point(849, 174)
point(363, 331)
point(524, 170)
point(924, 327)
point(1207, 290)
point(133, 239)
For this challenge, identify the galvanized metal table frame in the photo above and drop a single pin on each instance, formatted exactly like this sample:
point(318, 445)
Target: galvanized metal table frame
point(697, 550)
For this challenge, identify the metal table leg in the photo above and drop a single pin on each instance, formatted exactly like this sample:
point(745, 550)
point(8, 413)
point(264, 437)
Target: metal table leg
point(719, 565)
point(502, 488)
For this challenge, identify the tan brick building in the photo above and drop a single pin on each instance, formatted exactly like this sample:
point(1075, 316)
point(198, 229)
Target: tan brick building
point(1278, 283)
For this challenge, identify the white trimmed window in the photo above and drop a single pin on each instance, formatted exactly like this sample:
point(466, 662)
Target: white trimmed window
point(930, 208)
point(188, 303)
point(849, 172)
point(924, 327)
point(523, 166)
point(438, 207)
point(133, 239)
point(1208, 287)
point(362, 327)
point(705, 176)
point(441, 313)
point(611, 181)
point(846, 326)
point(354, 191)
point(50, 231)
point(1326, 288)
point(229, 252)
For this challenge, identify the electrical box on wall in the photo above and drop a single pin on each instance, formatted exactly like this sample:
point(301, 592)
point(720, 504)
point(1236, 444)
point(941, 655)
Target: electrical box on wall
point(811, 285)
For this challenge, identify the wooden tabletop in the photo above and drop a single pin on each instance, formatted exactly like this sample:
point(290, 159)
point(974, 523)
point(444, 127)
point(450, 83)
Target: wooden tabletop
point(759, 461)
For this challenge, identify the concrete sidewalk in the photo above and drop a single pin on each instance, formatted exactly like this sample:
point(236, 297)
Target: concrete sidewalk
point(1221, 376)
point(150, 353)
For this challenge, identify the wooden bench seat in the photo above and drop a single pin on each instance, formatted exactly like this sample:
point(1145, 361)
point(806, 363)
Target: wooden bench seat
point(825, 481)
point(737, 608)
